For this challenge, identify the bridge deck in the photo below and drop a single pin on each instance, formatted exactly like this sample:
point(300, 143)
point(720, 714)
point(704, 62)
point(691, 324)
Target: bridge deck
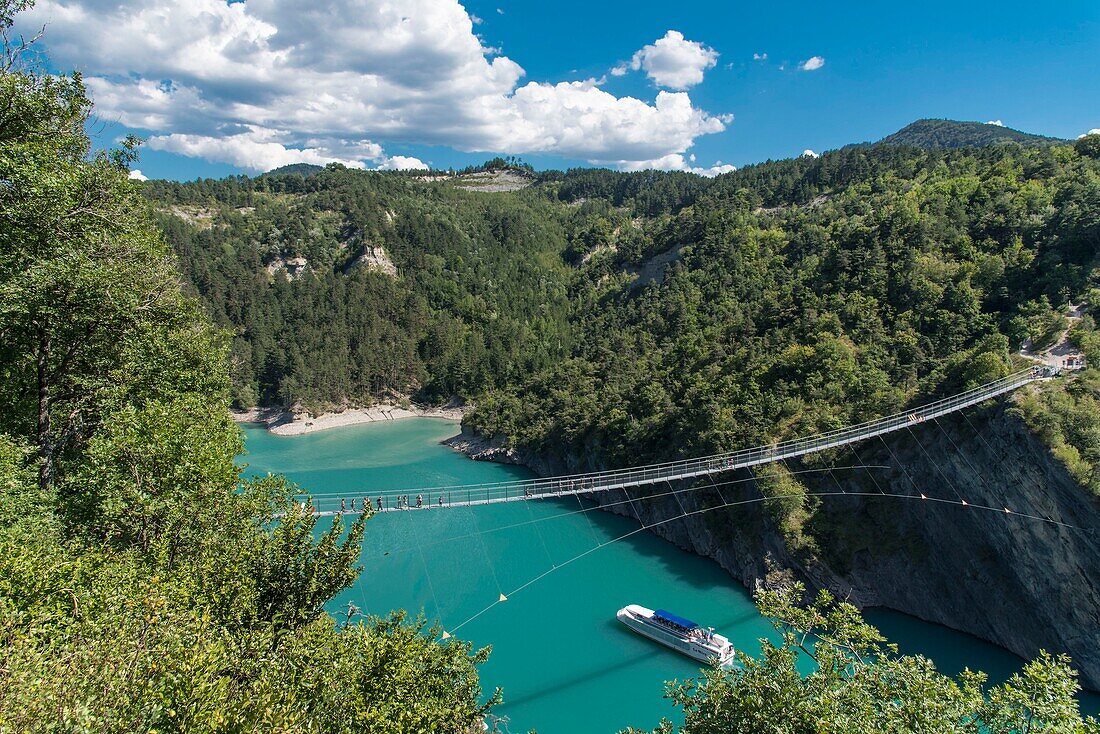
point(564, 486)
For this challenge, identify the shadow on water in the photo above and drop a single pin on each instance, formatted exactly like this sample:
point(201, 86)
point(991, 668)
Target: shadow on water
point(658, 551)
point(585, 677)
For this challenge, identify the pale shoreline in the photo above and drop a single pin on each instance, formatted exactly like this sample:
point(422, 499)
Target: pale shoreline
point(283, 422)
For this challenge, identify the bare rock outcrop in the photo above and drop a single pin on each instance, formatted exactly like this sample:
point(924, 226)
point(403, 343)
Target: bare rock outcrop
point(493, 181)
point(294, 267)
point(373, 257)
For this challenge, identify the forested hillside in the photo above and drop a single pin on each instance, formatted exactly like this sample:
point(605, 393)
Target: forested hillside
point(344, 286)
point(621, 319)
point(808, 294)
point(938, 134)
point(647, 315)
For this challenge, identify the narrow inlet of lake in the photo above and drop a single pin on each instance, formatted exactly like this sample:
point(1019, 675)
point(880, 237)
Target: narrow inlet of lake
point(565, 664)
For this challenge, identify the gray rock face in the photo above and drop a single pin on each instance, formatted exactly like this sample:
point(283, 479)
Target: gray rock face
point(1022, 583)
point(373, 257)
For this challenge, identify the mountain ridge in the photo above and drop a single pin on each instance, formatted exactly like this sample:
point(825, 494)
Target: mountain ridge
point(295, 169)
point(940, 134)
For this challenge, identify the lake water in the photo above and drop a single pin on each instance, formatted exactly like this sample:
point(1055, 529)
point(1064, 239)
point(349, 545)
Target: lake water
point(565, 664)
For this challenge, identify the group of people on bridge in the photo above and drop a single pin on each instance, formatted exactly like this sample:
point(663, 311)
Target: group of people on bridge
point(402, 502)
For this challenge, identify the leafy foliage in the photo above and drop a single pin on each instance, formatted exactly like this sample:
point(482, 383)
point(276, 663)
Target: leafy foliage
point(653, 310)
point(882, 276)
point(858, 683)
point(1065, 417)
point(142, 588)
point(622, 316)
point(1089, 145)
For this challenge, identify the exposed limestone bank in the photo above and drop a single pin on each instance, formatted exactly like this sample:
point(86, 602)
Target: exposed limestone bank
point(375, 258)
point(284, 422)
point(1023, 584)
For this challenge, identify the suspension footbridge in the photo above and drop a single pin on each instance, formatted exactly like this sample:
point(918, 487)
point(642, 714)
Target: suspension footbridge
point(464, 495)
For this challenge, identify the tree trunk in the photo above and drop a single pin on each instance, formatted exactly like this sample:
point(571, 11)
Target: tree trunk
point(45, 440)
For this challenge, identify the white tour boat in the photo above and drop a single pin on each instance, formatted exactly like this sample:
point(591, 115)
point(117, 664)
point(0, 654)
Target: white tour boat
point(680, 634)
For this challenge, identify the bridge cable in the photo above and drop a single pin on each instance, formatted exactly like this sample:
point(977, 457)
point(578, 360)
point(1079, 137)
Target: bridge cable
point(903, 469)
point(999, 386)
point(725, 505)
point(633, 507)
point(676, 497)
point(871, 474)
point(584, 511)
point(488, 560)
point(950, 484)
point(504, 597)
point(511, 526)
point(828, 470)
point(999, 459)
point(753, 500)
point(531, 514)
point(960, 452)
point(988, 390)
point(995, 456)
point(427, 574)
point(832, 466)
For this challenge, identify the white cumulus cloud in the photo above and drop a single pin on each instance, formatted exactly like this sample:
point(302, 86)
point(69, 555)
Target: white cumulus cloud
point(812, 64)
point(403, 163)
point(673, 61)
point(267, 82)
point(676, 162)
point(998, 123)
point(760, 57)
point(1094, 131)
point(137, 175)
point(255, 150)
point(809, 154)
point(579, 119)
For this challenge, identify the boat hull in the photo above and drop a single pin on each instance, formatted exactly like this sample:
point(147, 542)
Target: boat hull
point(638, 619)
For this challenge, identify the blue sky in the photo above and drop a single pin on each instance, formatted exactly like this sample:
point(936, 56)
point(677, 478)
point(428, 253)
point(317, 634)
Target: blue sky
point(1036, 68)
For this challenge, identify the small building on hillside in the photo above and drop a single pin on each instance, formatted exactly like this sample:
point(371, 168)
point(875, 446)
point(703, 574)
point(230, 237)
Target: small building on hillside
point(1073, 361)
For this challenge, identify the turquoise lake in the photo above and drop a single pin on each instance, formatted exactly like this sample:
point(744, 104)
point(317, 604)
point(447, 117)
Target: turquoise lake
point(565, 664)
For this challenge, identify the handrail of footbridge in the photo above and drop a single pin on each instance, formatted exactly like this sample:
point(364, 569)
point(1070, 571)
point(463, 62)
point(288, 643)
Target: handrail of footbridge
point(671, 471)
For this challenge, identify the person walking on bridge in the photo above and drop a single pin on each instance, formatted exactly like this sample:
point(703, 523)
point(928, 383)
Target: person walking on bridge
point(379, 503)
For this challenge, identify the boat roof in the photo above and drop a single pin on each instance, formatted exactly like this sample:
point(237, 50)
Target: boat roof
point(675, 619)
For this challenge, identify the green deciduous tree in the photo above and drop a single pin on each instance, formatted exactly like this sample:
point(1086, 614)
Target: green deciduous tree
point(833, 673)
point(1088, 145)
point(80, 270)
point(143, 587)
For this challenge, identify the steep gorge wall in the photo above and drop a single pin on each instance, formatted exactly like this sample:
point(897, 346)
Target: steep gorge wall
point(1023, 584)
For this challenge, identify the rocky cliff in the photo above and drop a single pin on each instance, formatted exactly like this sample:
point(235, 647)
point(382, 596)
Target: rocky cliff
point(1021, 583)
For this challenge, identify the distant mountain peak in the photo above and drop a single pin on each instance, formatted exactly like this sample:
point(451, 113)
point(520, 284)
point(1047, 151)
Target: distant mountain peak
point(933, 134)
point(300, 169)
